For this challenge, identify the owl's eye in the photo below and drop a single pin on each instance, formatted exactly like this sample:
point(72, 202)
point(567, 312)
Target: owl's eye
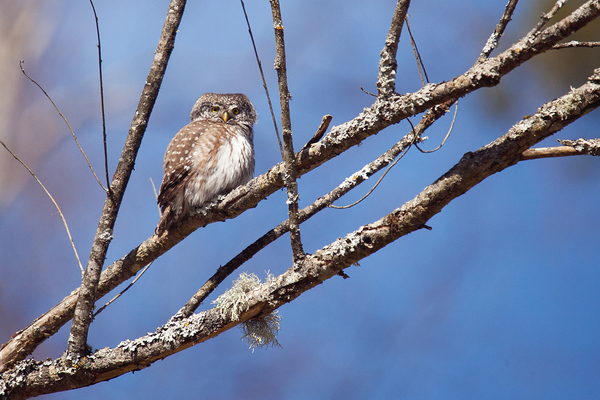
point(235, 111)
point(214, 109)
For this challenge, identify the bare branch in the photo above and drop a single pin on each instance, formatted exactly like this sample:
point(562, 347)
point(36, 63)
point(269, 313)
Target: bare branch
point(494, 39)
point(262, 75)
point(87, 295)
point(418, 58)
point(584, 146)
point(547, 152)
point(547, 17)
point(289, 160)
point(62, 216)
point(103, 114)
point(66, 122)
point(386, 81)
point(574, 43)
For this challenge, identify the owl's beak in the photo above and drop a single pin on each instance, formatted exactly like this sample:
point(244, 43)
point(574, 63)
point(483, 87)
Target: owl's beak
point(225, 116)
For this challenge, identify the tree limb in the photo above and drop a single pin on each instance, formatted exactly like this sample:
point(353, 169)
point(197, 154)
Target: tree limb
point(289, 160)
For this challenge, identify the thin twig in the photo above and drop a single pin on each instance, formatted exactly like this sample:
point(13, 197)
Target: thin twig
point(418, 58)
point(428, 119)
point(570, 148)
point(101, 97)
point(367, 92)
point(547, 17)
point(447, 134)
point(289, 158)
point(548, 152)
point(376, 183)
point(62, 217)
point(122, 291)
point(494, 38)
point(143, 270)
point(262, 75)
point(66, 122)
point(575, 43)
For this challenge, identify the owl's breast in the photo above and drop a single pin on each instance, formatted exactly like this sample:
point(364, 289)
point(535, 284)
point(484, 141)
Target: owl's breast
point(221, 167)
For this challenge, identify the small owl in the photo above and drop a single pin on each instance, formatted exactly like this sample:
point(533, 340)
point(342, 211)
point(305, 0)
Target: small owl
point(210, 156)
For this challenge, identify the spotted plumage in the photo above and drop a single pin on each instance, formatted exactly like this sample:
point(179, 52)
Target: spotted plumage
point(211, 155)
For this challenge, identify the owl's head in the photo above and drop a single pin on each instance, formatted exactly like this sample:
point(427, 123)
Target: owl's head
point(231, 108)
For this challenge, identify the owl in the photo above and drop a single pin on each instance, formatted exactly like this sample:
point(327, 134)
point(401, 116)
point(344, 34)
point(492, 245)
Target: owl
point(210, 156)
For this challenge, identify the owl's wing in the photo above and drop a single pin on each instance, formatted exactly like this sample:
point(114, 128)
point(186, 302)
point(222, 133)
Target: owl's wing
point(171, 196)
point(172, 185)
point(178, 164)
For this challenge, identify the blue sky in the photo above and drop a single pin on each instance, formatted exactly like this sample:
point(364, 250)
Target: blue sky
point(498, 301)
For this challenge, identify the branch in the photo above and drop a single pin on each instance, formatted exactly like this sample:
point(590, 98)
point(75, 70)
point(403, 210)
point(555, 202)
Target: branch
point(264, 81)
point(33, 378)
point(383, 113)
point(102, 113)
point(66, 122)
point(494, 39)
point(386, 81)
point(547, 17)
point(584, 146)
point(548, 152)
point(571, 148)
point(58, 209)
point(574, 43)
point(289, 160)
point(87, 294)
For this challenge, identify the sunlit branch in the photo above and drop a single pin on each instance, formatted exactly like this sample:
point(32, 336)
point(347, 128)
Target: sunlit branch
point(289, 159)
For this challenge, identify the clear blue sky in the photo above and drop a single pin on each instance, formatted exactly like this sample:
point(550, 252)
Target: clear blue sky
point(499, 301)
